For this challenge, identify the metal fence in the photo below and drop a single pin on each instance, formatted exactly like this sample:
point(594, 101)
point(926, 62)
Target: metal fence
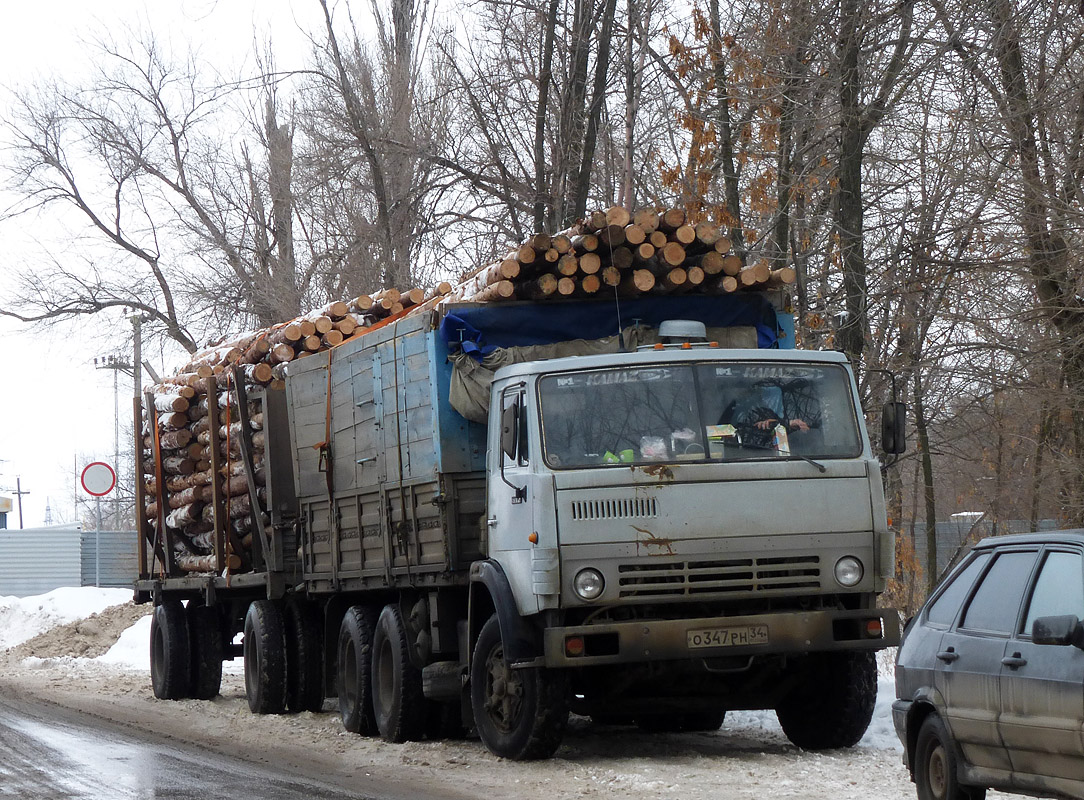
point(38, 560)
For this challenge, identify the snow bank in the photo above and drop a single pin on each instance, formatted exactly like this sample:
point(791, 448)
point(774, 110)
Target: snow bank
point(132, 650)
point(23, 618)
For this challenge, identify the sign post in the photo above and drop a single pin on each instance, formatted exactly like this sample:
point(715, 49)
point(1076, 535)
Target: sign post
point(98, 480)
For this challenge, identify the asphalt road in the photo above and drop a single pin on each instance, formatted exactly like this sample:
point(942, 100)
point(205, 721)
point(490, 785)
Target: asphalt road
point(48, 753)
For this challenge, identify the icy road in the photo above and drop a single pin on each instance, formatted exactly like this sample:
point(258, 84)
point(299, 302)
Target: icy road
point(47, 753)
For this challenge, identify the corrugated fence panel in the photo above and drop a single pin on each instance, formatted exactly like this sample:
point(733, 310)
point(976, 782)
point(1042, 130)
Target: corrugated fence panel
point(110, 561)
point(38, 561)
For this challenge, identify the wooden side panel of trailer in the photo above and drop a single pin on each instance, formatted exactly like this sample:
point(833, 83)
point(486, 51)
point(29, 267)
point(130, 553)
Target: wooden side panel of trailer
point(405, 502)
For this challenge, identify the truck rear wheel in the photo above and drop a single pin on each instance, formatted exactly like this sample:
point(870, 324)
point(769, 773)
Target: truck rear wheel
point(304, 626)
point(832, 704)
point(265, 658)
point(353, 670)
point(205, 642)
point(170, 654)
point(399, 706)
point(520, 714)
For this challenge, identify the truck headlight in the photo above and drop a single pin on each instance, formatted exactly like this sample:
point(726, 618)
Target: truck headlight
point(588, 583)
point(848, 571)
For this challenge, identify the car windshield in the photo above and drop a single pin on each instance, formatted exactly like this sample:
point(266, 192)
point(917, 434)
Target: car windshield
point(698, 412)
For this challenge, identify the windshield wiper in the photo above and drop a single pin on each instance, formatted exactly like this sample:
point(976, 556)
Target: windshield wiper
point(807, 460)
point(789, 457)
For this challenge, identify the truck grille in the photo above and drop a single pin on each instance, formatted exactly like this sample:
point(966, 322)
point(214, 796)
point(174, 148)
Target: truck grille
point(617, 508)
point(686, 578)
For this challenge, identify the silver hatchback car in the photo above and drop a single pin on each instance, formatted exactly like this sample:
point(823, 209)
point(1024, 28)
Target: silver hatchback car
point(990, 673)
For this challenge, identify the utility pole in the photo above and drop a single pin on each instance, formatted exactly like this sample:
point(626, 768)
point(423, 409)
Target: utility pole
point(118, 365)
point(19, 494)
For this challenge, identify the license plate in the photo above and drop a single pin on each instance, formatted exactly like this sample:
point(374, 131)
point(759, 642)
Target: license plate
point(728, 637)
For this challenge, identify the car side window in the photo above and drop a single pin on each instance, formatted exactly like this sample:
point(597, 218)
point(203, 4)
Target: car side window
point(996, 603)
point(943, 610)
point(1059, 589)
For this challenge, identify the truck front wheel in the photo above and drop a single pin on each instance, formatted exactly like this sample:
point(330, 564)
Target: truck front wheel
point(265, 658)
point(832, 703)
point(520, 714)
point(171, 668)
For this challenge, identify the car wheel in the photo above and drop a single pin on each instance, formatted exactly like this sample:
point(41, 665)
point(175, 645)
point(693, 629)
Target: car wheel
point(936, 765)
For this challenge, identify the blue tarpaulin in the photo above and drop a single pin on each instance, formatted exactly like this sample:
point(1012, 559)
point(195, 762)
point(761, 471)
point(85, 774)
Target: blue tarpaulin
point(482, 329)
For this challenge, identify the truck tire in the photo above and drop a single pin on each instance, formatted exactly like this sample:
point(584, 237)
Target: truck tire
point(171, 666)
point(520, 714)
point(265, 658)
point(205, 642)
point(832, 704)
point(935, 765)
point(399, 706)
point(304, 625)
point(353, 670)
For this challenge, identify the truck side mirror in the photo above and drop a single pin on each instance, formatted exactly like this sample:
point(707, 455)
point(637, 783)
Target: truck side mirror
point(1063, 630)
point(509, 429)
point(894, 428)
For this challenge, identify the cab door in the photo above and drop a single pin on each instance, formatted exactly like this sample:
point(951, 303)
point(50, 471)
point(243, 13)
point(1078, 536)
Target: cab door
point(509, 491)
point(1042, 686)
point(970, 659)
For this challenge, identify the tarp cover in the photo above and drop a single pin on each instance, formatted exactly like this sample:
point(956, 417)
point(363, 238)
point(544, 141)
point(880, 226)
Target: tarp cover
point(472, 372)
point(481, 329)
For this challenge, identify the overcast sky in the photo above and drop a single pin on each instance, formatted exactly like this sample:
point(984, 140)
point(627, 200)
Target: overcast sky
point(56, 409)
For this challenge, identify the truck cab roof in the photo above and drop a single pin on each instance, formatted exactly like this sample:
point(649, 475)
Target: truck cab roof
point(668, 356)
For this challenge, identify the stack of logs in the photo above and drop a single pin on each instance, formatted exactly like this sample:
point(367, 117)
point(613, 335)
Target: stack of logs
point(650, 251)
point(187, 428)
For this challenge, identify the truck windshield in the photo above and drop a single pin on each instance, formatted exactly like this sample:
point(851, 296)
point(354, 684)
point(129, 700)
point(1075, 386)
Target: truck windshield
point(698, 412)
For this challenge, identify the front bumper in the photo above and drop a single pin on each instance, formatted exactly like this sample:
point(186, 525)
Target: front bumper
point(667, 640)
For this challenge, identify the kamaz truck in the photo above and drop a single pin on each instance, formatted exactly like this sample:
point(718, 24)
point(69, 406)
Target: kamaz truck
point(491, 516)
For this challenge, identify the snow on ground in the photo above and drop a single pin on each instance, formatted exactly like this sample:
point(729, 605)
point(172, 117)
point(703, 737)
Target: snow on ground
point(132, 650)
point(23, 618)
point(99, 663)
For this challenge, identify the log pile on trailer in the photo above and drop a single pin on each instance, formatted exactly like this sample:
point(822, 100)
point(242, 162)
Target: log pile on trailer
point(201, 445)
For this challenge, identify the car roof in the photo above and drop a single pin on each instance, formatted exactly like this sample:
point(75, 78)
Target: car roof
point(1070, 536)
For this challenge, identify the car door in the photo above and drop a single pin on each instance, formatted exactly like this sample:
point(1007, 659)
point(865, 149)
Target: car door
point(1042, 686)
point(969, 667)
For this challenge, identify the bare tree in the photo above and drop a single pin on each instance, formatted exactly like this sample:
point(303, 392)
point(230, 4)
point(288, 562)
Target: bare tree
point(138, 152)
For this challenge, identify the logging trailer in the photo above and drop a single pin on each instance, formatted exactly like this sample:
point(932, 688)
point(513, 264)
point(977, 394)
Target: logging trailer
point(489, 516)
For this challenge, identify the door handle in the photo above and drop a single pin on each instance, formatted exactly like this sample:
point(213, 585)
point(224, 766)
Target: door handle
point(1014, 661)
point(948, 656)
point(491, 522)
